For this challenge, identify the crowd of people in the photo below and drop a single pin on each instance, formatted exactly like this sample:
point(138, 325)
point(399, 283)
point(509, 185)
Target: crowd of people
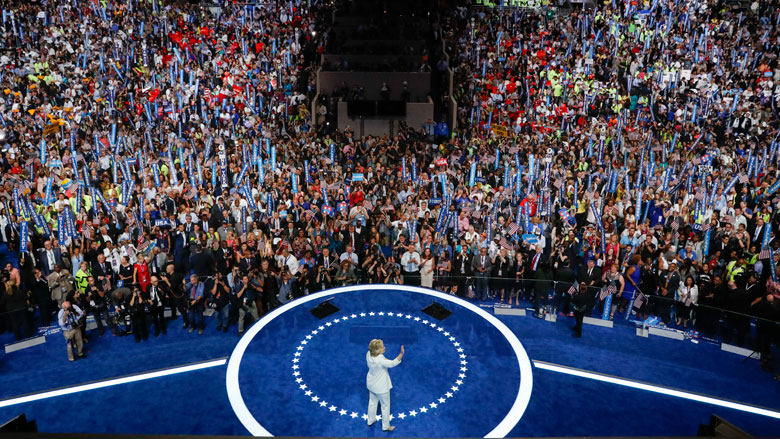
point(623, 158)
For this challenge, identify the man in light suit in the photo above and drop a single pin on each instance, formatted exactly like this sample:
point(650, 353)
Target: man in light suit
point(49, 257)
point(378, 382)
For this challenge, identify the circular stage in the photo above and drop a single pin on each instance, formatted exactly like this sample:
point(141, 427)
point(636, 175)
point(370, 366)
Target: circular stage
point(294, 374)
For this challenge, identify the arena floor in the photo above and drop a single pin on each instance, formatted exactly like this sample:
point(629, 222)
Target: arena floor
point(470, 374)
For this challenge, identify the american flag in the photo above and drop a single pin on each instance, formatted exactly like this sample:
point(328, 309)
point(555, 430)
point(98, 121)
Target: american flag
point(513, 228)
point(765, 253)
point(705, 226)
point(639, 301)
point(607, 291)
point(743, 178)
point(207, 95)
point(504, 243)
point(572, 289)
point(675, 228)
point(367, 204)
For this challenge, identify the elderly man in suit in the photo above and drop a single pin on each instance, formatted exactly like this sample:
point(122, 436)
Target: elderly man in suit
point(49, 257)
point(378, 381)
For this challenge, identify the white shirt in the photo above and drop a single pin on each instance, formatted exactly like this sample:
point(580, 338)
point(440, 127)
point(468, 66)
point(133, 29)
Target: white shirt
point(378, 379)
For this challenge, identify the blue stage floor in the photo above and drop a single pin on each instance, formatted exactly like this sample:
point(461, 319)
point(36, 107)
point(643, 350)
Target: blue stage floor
point(331, 365)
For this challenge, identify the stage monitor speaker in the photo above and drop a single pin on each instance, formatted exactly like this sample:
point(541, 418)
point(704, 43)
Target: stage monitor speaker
point(437, 311)
point(19, 424)
point(324, 309)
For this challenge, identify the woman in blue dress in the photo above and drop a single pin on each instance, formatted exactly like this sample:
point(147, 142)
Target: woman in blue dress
point(632, 283)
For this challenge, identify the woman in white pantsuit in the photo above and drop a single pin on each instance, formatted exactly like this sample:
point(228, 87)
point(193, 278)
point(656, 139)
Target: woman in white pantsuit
point(378, 382)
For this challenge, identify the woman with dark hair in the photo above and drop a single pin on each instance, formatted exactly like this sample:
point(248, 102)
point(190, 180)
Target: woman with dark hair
point(631, 289)
point(687, 296)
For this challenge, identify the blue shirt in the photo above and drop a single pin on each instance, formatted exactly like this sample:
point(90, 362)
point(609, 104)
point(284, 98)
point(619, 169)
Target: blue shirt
point(71, 321)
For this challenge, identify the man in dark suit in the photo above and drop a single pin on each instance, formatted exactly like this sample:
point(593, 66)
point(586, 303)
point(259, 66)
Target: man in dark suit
point(461, 269)
point(756, 231)
point(482, 266)
point(590, 275)
point(564, 276)
point(102, 271)
point(49, 257)
point(328, 262)
point(353, 238)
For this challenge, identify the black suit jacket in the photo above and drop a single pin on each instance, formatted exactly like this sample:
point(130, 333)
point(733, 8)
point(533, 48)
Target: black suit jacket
point(46, 268)
point(594, 277)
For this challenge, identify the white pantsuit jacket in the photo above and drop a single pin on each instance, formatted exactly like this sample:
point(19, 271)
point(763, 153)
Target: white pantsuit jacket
point(378, 379)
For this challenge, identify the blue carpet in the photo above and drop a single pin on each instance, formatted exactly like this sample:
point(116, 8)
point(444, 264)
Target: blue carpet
point(333, 364)
point(332, 367)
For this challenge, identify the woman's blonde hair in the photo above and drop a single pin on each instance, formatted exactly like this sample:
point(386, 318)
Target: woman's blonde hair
point(375, 346)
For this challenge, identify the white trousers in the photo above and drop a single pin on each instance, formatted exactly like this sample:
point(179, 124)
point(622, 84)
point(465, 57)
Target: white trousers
point(373, 400)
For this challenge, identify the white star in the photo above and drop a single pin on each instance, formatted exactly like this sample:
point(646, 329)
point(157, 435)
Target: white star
point(295, 366)
point(423, 410)
point(390, 314)
point(463, 369)
point(464, 362)
point(446, 334)
point(323, 403)
point(308, 337)
point(353, 316)
point(454, 388)
point(448, 395)
point(391, 417)
point(353, 415)
point(372, 313)
point(462, 375)
point(299, 380)
point(433, 405)
point(401, 415)
point(452, 338)
point(440, 329)
point(456, 344)
point(433, 325)
point(321, 328)
point(304, 342)
point(381, 313)
point(307, 393)
point(295, 360)
point(315, 332)
point(459, 382)
point(342, 412)
point(315, 398)
point(365, 417)
point(413, 413)
point(336, 321)
point(329, 324)
point(441, 400)
point(460, 349)
point(362, 314)
point(302, 386)
point(462, 355)
point(379, 417)
point(297, 354)
point(332, 408)
point(296, 373)
point(425, 322)
point(408, 316)
point(300, 348)
point(416, 319)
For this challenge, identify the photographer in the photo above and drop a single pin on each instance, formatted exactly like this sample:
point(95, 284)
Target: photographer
point(68, 318)
point(172, 282)
point(219, 301)
point(154, 296)
point(323, 280)
point(195, 303)
point(138, 310)
point(245, 298)
point(393, 270)
point(98, 304)
point(121, 303)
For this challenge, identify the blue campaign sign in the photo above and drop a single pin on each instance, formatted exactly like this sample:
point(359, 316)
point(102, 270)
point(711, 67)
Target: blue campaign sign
point(357, 177)
point(530, 238)
point(434, 202)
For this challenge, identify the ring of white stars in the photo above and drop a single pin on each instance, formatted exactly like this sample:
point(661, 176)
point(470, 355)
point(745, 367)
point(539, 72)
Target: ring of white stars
point(433, 405)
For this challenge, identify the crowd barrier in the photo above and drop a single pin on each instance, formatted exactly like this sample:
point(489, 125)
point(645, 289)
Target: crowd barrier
point(738, 332)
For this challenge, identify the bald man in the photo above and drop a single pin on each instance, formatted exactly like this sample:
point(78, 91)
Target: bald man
point(68, 319)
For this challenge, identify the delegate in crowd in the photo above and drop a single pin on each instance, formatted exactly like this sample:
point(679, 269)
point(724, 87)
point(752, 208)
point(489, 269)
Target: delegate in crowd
point(164, 155)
